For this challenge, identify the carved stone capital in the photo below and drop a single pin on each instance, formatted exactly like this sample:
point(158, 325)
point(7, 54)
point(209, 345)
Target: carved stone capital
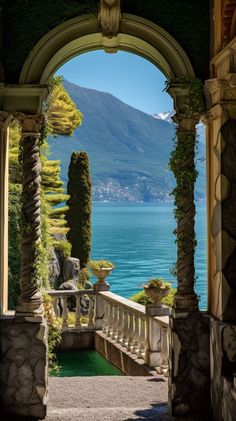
point(217, 111)
point(31, 124)
point(5, 119)
point(181, 92)
point(109, 17)
point(184, 123)
point(221, 91)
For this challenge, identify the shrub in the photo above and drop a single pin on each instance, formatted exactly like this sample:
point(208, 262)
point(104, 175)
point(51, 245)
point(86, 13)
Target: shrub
point(143, 299)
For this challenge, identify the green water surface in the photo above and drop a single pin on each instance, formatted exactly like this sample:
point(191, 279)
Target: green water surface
point(84, 363)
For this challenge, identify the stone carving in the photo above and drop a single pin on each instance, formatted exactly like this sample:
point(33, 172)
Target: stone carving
point(223, 225)
point(30, 300)
point(5, 119)
point(109, 16)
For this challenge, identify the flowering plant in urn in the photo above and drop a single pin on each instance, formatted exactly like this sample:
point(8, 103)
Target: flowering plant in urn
point(101, 268)
point(156, 289)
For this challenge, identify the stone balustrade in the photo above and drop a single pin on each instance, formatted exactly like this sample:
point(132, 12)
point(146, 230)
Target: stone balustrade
point(83, 319)
point(126, 323)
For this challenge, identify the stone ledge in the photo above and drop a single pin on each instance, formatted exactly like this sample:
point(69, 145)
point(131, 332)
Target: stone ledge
point(127, 362)
point(77, 339)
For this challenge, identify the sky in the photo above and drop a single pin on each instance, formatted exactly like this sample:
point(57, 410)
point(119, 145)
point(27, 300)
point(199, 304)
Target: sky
point(132, 79)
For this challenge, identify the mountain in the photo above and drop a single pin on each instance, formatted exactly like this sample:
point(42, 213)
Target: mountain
point(165, 115)
point(128, 149)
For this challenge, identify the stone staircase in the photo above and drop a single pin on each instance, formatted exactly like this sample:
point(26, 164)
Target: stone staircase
point(110, 398)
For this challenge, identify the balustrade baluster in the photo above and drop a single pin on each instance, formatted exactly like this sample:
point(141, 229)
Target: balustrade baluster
point(115, 323)
point(125, 339)
point(105, 319)
point(164, 350)
point(142, 338)
point(64, 312)
point(131, 331)
point(120, 324)
point(110, 320)
point(91, 313)
point(135, 349)
point(55, 306)
point(78, 313)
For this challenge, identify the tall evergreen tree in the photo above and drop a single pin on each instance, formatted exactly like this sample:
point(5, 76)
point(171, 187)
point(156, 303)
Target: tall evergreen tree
point(79, 213)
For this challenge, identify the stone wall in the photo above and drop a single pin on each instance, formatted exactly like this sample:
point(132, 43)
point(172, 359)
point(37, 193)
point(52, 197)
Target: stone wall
point(223, 369)
point(23, 366)
point(118, 355)
point(189, 379)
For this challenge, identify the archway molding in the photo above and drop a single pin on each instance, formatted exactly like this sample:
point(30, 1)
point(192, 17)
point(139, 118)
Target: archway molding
point(82, 34)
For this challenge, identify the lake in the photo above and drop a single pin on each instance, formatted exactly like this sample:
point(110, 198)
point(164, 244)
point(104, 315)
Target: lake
point(139, 239)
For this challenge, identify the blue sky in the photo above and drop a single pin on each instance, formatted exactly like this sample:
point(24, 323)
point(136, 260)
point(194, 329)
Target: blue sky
point(129, 77)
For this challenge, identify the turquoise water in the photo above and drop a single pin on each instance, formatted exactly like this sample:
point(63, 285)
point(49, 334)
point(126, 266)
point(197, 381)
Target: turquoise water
point(139, 239)
point(84, 363)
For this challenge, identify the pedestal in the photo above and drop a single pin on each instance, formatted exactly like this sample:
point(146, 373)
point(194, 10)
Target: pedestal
point(24, 368)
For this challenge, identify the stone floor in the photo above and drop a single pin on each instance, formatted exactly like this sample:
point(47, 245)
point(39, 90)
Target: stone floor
point(110, 398)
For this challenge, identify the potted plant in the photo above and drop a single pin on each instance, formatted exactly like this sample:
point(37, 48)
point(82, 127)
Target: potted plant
point(156, 289)
point(101, 269)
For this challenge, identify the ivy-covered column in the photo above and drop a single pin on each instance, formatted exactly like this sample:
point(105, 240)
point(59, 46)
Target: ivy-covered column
point(189, 379)
point(30, 300)
point(182, 163)
point(23, 344)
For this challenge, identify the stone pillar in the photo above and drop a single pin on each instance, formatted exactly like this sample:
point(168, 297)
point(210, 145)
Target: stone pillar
point(221, 121)
point(30, 300)
point(23, 339)
point(185, 299)
point(189, 380)
point(5, 119)
point(99, 303)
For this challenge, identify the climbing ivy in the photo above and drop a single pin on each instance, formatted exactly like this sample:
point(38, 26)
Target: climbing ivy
point(182, 164)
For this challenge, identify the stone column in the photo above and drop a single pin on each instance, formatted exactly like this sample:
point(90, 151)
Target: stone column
point(5, 119)
point(99, 303)
point(189, 380)
point(185, 298)
point(221, 121)
point(23, 341)
point(30, 300)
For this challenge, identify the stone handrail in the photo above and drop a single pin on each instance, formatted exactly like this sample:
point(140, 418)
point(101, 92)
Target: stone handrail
point(129, 324)
point(60, 299)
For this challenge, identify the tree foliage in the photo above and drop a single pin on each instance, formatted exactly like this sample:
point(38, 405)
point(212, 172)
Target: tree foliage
point(62, 117)
point(79, 213)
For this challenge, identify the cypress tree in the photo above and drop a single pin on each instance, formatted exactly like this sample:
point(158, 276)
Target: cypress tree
point(79, 213)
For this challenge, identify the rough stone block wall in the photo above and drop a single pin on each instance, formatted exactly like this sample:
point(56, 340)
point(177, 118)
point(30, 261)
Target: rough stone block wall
point(189, 379)
point(23, 367)
point(223, 369)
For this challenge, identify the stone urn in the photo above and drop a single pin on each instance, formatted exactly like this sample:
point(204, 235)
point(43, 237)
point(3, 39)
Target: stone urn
point(157, 292)
point(102, 273)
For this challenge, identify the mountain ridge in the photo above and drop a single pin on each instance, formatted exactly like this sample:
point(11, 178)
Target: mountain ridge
point(128, 149)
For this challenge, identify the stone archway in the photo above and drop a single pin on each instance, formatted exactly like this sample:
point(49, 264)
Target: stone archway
point(148, 40)
point(82, 34)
